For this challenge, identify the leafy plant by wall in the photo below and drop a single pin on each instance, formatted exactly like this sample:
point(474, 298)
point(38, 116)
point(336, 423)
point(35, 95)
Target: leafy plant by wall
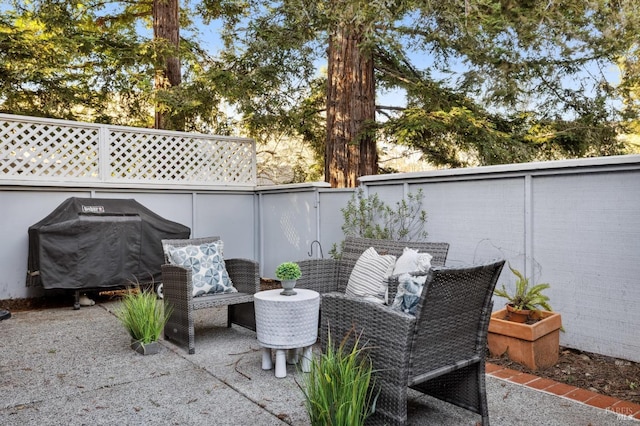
point(370, 217)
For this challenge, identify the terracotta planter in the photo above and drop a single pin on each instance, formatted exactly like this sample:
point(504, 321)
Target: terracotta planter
point(517, 315)
point(533, 345)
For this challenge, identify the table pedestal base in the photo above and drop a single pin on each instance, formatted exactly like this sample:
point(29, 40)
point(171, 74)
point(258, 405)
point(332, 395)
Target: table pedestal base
point(287, 356)
point(287, 323)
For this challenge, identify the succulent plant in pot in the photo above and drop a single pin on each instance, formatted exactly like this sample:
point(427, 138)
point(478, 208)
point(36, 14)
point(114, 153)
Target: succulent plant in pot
point(288, 273)
point(527, 330)
point(526, 300)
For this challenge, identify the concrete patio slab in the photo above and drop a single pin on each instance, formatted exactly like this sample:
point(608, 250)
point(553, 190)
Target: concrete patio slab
point(60, 366)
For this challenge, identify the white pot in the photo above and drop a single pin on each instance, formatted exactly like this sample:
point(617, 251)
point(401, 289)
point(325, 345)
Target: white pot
point(288, 286)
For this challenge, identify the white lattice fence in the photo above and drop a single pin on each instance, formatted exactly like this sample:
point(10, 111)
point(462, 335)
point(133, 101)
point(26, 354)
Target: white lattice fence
point(44, 150)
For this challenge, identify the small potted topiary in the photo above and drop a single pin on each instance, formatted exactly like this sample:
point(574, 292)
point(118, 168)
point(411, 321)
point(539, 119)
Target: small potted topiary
point(144, 318)
point(288, 273)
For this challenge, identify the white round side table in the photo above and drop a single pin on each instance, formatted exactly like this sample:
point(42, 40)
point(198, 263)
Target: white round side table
point(286, 323)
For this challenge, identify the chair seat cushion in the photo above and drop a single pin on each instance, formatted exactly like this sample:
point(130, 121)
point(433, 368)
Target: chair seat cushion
point(220, 299)
point(368, 278)
point(208, 270)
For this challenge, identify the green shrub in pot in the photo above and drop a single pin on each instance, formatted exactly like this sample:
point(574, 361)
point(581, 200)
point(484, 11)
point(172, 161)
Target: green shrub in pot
point(143, 316)
point(287, 271)
point(526, 299)
point(339, 389)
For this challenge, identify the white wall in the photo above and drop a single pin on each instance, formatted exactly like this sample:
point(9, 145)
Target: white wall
point(292, 217)
point(229, 214)
point(586, 236)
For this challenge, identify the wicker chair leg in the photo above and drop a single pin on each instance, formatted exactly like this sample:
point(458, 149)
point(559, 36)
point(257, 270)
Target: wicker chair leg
point(464, 387)
point(242, 314)
point(385, 419)
point(482, 394)
point(179, 329)
point(229, 316)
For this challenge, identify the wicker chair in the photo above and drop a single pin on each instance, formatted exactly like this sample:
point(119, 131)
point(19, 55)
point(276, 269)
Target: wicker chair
point(440, 351)
point(177, 289)
point(328, 275)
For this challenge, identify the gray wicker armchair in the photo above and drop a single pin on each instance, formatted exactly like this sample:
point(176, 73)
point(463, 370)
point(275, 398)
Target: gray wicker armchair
point(327, 275)
point(440, 351)
point(177, 290)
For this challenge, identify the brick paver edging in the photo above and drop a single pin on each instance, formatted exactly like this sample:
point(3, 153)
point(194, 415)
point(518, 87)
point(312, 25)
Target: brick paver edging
point(584, 396)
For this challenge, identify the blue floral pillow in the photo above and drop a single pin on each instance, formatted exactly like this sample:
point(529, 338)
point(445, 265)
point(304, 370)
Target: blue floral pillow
point(409, 291)
point(208, 271)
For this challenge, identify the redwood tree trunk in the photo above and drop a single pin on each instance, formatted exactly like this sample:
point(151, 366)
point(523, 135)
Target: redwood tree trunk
point(166, 28)
point(350, 149)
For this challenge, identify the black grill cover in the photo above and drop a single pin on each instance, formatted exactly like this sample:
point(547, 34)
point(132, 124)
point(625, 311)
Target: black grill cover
point(95, 242)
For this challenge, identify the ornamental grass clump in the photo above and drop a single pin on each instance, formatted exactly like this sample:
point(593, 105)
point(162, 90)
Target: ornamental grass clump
point(143, 316)
point(339, 388)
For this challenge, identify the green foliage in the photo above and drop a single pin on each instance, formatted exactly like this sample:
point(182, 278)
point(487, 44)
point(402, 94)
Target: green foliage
point(370, 217)
point(525, 297)
point(288, 271)
point(143, 316)
point(517, 81)
point(505, 81)
point(365, 216)
point(71, 60)
point(60, 59)
point(339, 388)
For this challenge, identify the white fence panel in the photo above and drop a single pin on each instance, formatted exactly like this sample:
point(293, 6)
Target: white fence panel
point(586, 237)
point(231, 216)
point(288, 224)
point(46, 151)
point(298, 223)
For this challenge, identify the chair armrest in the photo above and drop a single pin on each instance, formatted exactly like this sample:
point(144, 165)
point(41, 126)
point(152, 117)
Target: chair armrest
point(319, 275)
point(176, 283)
point(392, 284)
point(386, 331)
point(244, 274)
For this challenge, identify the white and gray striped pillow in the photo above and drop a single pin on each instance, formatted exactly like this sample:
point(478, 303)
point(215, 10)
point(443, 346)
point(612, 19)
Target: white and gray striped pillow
point(369, 276)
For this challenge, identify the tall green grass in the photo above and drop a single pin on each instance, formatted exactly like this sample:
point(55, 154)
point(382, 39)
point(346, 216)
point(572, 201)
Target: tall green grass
point(143, 316)
point(339, 388)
